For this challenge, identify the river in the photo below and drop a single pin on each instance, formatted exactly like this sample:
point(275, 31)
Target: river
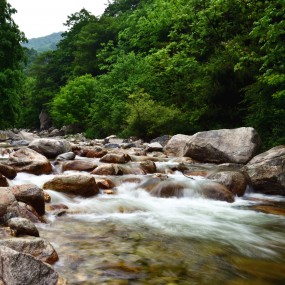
point(134, 238)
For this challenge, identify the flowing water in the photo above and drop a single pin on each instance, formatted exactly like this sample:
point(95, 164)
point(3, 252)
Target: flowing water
point(133, 238)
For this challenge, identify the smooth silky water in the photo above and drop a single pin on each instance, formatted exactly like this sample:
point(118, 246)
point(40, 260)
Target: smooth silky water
point(133, 238)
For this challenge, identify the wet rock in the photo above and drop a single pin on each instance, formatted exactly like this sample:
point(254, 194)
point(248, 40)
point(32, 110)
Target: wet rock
point(22, 226)
point(105, 183)
point(176, 145)
point(47, 197)
point(96, 152)
point(235, 181)
point(148, 166)
point(8, 171)
point(79, 165)
point(225, 145)
point(163, 140)
point(56, 207)
point(267, 171)
point(30, 161)
point(20, 268)
point(50, 147)
point(115, 158)
point(77, 184)
point(131, 169)
point(168, 189)
point(65, 156)
point(30, 194)
point(37, 247)
point(3, 181)
point(269, 210)
point(155, 146)
point(28, 212)
point(107, 169)
point(215, 191)
point(9, 206)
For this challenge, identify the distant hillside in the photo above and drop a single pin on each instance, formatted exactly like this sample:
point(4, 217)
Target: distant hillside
point(44, 43)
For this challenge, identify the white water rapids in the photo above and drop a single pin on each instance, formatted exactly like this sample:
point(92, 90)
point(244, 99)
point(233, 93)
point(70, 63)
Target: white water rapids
point(190, 221)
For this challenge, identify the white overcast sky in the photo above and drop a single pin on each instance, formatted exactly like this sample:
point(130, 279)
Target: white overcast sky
point(37, 18)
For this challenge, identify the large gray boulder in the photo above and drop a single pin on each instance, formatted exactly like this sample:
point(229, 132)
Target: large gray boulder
point(224, 145)
point(50, 147)
point(267, 171)
point(28, 160)
point(18, 268)
point(176, 145)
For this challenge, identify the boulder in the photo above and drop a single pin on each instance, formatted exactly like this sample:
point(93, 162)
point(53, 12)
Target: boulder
point(9, 206)
point(8, 171)
point(168, 189)
point(50, 147)
point(37, 247)
point(107, 169)
point(77, 184)
point(22, 226)
point(163, 140)
point(176, 145)
point(214, 191)
point(155, 146)
point(79, 165)
point(235, 181)
point(18, 268)
point(267, 171)
point(96, 152)
point(28, 160)
point(225, 145)
point(30, 194)
point(65, 156)
point(115, 158)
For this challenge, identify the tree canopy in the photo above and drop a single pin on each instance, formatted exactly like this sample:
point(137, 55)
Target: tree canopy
point(161, 66)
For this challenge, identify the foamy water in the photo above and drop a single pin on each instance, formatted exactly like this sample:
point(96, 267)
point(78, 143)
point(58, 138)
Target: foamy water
point(233, 226)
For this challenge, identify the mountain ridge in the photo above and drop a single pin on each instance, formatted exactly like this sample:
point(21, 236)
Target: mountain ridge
point(45, 43)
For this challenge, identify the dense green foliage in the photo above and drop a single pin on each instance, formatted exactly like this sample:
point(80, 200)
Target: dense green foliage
point(153, 67)
point(11, 73)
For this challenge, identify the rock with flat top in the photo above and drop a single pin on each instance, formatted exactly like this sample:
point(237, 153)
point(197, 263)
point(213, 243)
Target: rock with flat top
point(225, 145)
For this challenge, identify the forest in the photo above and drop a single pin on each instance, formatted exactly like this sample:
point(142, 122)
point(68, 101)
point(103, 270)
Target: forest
point(152, 67)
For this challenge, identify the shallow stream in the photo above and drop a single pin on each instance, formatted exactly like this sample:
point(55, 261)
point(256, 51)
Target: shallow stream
point(133, 238)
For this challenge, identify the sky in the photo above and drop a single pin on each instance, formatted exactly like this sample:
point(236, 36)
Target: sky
point(38, 18)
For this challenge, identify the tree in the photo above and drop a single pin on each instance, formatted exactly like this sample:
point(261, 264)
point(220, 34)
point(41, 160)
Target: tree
point(73, 102)
point(11, 70)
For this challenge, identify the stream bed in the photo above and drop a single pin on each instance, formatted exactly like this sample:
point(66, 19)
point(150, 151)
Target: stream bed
point(134, 238)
